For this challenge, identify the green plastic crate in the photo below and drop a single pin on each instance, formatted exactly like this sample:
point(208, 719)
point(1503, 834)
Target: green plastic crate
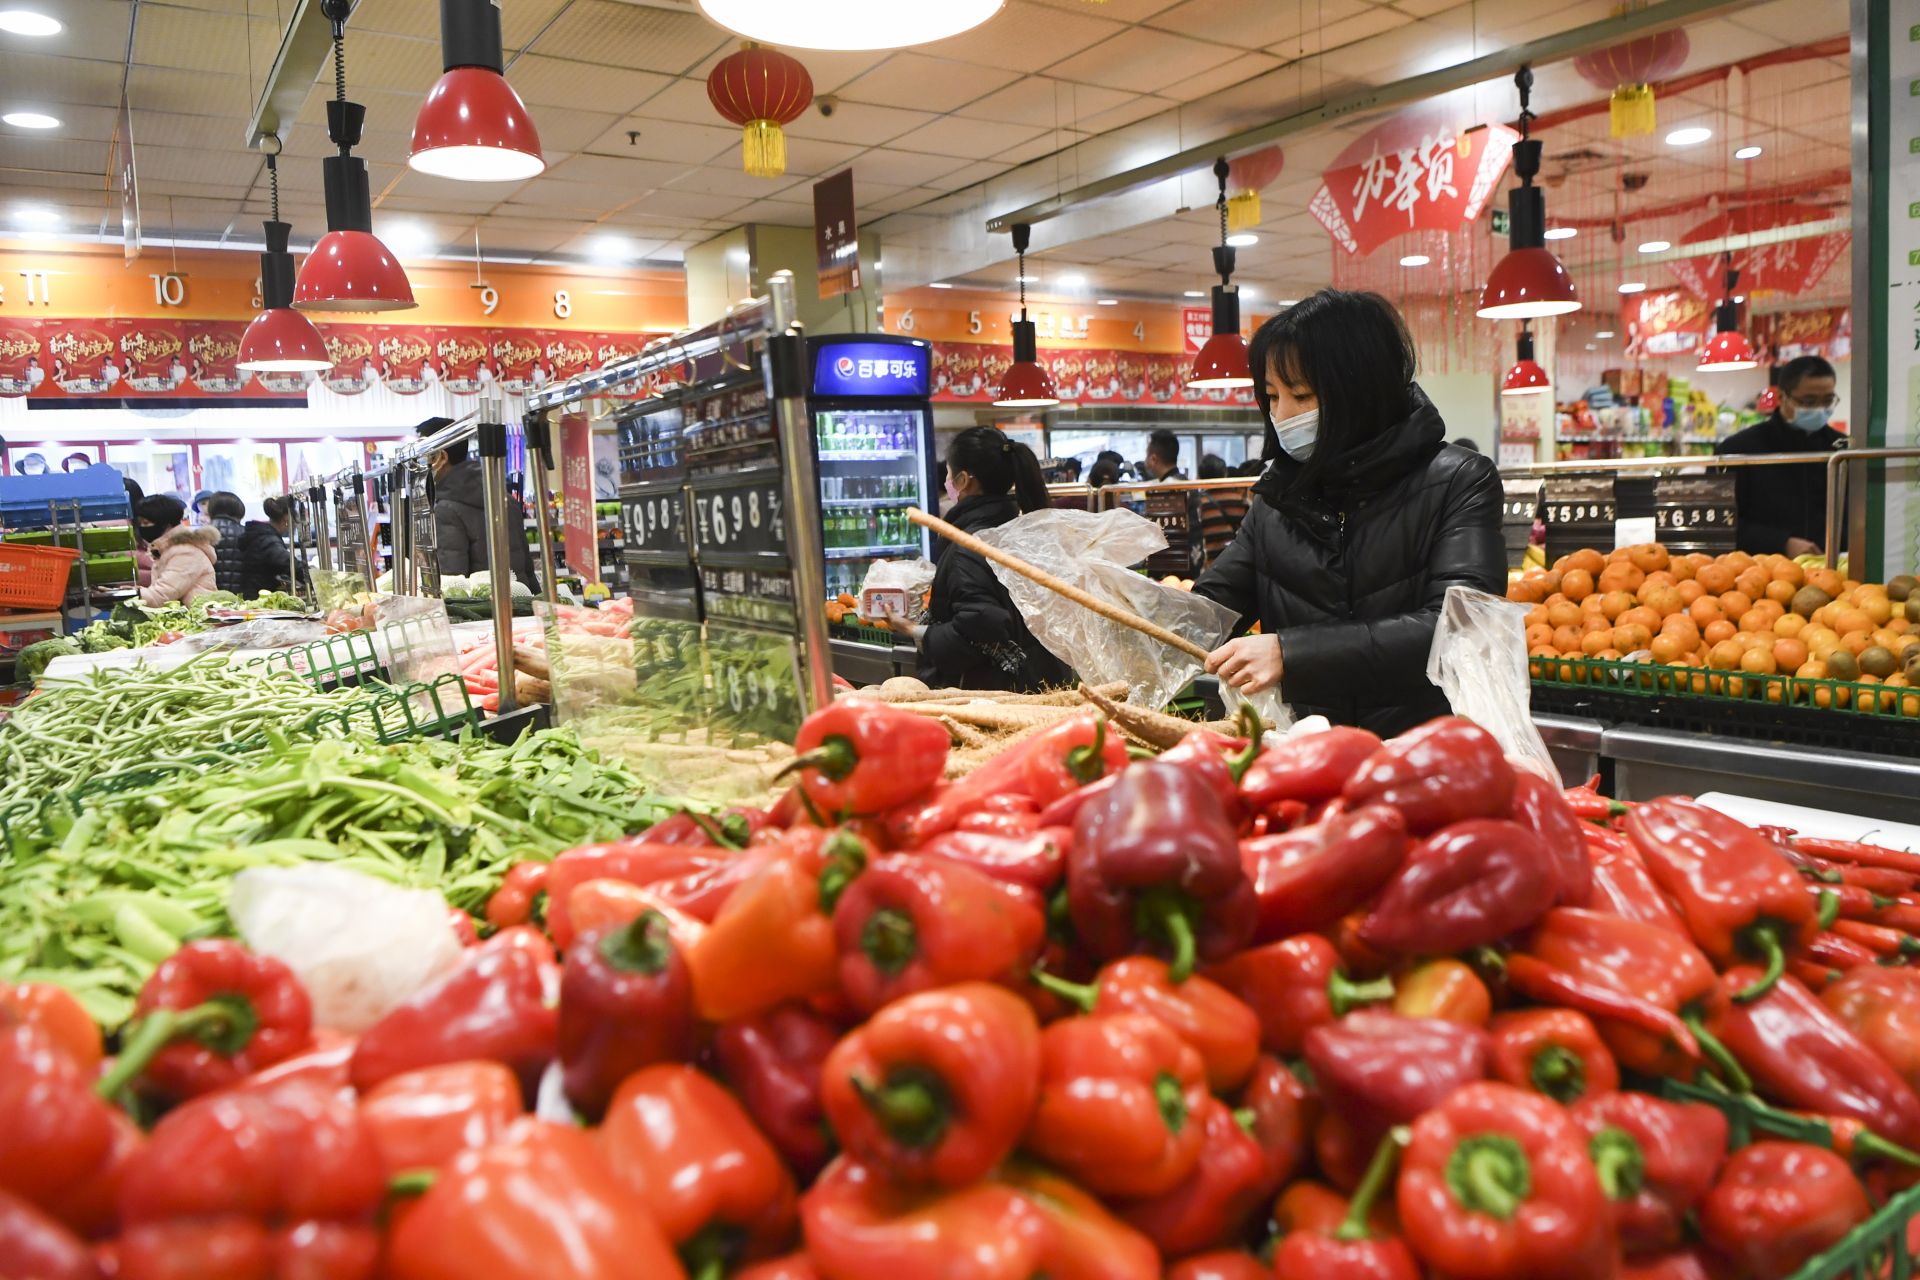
point(102, 570)
point(347, 656)
point(93, 540)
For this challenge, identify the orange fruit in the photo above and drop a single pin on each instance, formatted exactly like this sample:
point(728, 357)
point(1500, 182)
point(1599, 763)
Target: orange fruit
point(1590, 607)
point(1716, 579)
point(1667, 649)
point(1594, 622)
point(1683, 569)
point(1564, 614)
point(1755, 620)
point(1648, 556)
point(1758, 661)
point(1658, 578)
point(1706, 609)
point(1594, 641)
point(1663, 600)
point(1631, 637)
point(1641, 615)
point(1857, 642)
point(1587, 559)
point(1848, 621)
point(1615, 603)
point(1577, 583)
point(1735, 602)
point(1718, 630)
point(1753, 582)
point(1566, 639)
point(1789, 571)
point(1539, 634)
point(1790, 625)
point(1780, 590)
point(1536, 615)
point(1789, 654)
point(1690, 590)
point(1879, 608)
point(1621, 577)
point(1738, 561)
point(1827, 580)
point(1726, 655)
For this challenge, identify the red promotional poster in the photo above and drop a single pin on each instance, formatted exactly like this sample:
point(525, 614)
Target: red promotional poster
point(213, 348)
point(1422, 170)
point(1131, 375)
point(21, 369)
point(567, 354)
point(355, 361)
point(1668, 323)
point(463, 356)
point(1788, 266)
point(406, 358)
point(1196, 326)
point(517, 364)
point(611, 348)
point(576, 495)
point(1826, 332)
point(152, 356)
point(84, 355)
point(972, 372)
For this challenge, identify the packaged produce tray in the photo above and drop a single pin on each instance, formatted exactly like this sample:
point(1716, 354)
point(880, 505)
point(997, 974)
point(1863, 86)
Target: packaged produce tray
point(1806, 712)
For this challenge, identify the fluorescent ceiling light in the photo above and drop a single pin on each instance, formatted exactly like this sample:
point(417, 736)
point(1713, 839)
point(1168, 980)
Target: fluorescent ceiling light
point(1655, 246)
point(939, 284)
point(1106, 302)
point(1073, 282)
point(30, 120)
point(1747, 153)
point(1026, 279)
point(1692, 135)
point(407, 237)
point(1243, 239)
point(1289, 302)
point(1604, 333)
point(1194, 293)
point(1633, 286)
point(1415, 260)
point(37, 215)
point(25, 22)
point(612, 248)
point(1561, 233)
point(849, 24)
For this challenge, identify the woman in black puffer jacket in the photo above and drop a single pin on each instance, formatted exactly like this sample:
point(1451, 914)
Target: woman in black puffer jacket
point(224, 512)
point(1362, 520)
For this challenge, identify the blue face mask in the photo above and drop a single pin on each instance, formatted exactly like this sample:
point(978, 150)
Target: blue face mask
point(1298, 434)
point(1809, 420)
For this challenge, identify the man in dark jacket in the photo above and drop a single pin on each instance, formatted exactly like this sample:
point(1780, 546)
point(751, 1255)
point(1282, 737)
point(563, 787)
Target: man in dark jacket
point(225, 511)
point(1783, 510)
point(461, 539)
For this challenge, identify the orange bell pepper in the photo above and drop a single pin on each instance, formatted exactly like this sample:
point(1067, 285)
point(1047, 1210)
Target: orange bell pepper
point(55, 1011)
point(1444, 989)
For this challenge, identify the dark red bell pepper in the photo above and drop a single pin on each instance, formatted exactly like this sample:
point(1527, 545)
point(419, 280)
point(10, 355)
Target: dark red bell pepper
point(1741, 899)
point(625, 1003)
point(1207, 1016)
point(1046, 768)
point(1380, 1069)
point(1655, 1158)
point(1446, 771)
point(865, 757)
point(1227, 1187)
point(1154, 863)
point(1686, 1264)
point(1220, 1264)
point(1539, 807)
point(1557, 1052)
point(910, 924)
point(983, 822)
point(521, 897)
point(1881, 1006)
point(1306, 768)
point(1497, 1185)
point(1219, 761)
point(211, 1014)
point(1279, 1111)
point(708, 1177)
point(1778, 1205)
point(56, 1136)
point(1623, 886)
point(494, 1006)
point(936, 1088)
point(1119, 1103)
point(772, 1060)
point(422, 1119)
point(1036, 860)
point(1306, 879)
point(1293, 986)
point(33, 1246)
point(1351, 1250)
point(1340, 1151)
point(1467, 885)
point(1801, 1055)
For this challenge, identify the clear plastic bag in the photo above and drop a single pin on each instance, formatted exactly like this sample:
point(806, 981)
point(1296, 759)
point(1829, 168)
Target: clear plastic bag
point(1092, 551)
point(1479, 660)
point(897, 588)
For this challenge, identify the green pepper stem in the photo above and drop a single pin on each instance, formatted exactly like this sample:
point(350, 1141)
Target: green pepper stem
point(1488, 1173)
point(1251, 728)
point(706, 1253)
point(1088, 762)
point(1372, 1183)
point(412, 1182)
point(1082, 995)
point(1171, 1099)
point(1559, 1072)
point(1165, 915)
point(714, 831)
point(224, 1023)
point(642, 946)
point(890, 940)
point(1872, 1145)
point(834, 758)
point(1619, 1161)
point(912, 1106)
point(1766, 939)
point(846, 858)
point(1829, 909)
point(1717, 1054)
point(1345, 995)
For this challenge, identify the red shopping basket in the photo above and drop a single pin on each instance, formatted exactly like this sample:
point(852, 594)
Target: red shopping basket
point(34, 577)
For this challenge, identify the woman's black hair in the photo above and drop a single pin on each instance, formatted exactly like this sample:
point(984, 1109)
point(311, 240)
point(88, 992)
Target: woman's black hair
point(1105, 469)
point(134, 492)
point(161, 510)
point(1353, 350)
point(1000, 464)
point(276, 509)
point(225, 506)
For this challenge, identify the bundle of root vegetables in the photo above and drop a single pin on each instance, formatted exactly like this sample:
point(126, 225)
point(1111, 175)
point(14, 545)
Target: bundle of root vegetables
point(1325, 1007)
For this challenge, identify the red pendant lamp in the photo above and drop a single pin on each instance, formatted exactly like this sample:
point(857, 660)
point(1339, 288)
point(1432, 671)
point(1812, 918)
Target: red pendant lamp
point(1529, 281)
point(349, 270)
point(1526, 378)
point(761, 90)
point(1728, 350)
point(473, 126)
point(279, 339)
point(1027, 385)
point(1222, 361)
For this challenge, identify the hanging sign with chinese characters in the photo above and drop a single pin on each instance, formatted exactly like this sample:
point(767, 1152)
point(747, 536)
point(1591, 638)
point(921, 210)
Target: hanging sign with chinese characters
point(1668, 323)
point(1788, 335)
point(1423, 170)
point(1786, 266)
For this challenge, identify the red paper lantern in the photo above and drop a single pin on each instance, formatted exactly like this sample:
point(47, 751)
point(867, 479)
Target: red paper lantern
point(760, 90)
point(1629, 70)
point(1247, 176)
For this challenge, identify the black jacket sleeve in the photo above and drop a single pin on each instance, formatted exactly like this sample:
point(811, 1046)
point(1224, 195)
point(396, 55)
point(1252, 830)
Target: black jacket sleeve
point(1230, 580)
point(953, 645)
point(1389, 655)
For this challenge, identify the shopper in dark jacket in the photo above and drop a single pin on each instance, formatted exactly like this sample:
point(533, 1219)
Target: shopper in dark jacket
point(460, 532)
point(1783, 510)
point(225, 511)
point(1362, 520)
point(974, 637)
point(264, 563)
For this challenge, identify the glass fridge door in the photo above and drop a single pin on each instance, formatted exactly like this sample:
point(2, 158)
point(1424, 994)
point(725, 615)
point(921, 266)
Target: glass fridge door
point(873, 466)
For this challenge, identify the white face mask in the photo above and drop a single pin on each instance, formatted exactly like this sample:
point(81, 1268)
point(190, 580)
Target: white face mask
point(1297, 434)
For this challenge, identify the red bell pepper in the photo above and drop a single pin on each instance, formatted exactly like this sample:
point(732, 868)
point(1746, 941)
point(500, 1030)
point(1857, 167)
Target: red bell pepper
point(209, 1015)
point(1840, 953)
point(1307, 768)
point(56, 1136)
point(773, 941)
point(772, 1061)
point(713, 1183)
point(1215, 1202)
point(1224, 1031)
point(1085, 1241)
point(1882, 1007)
point(1778, 1205)
point(55, 1011)
point(521, 897)
point(795, 1266)
point(910, 924)
point(1443, 989)
point(1220, 1264)
point(1497, 1185)
point(327, 1062)
point(864, 757)
point(1539, 807)
point(936, 1088)
point(985, 822)
point(1293, 986)
point(1739, 897)
point(1380, 1069)
point(291, 1175)
point(1623, 886)
point(1036, 860)
point(1556, 1052)
point(625, 1003)
point(422, 1119)
point(1279, 1112)
point(1683, 1265)
point(600, 906)
point(1219, 761)
point(539, 1205)
point(33, 1246)
point(1800, 1054)
point(1467, 885)
point(1154, 862)
point(1083, 753)
point(1339, 1150)
point(1351, 1250)
point(1046, 768)
point(1314, 1206)
point(494, 1006)
point(1446, 771)
point(639, 862)
point(1119, 1102)
point(1655, 1158)
point(860, 1225)
point(1306, 879)
point(1860, 854)
point(91, 1207)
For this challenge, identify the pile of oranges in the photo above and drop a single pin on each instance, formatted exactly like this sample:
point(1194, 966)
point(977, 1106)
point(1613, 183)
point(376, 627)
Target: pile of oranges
point(1733, 617)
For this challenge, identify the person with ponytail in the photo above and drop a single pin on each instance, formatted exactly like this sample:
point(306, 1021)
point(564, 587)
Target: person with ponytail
point(974, 637)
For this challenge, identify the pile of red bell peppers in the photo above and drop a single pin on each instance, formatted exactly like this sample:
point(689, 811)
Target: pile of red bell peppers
point(1328, 1008)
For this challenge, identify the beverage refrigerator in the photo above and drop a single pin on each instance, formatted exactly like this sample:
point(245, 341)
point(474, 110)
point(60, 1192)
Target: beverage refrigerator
point(873, 439)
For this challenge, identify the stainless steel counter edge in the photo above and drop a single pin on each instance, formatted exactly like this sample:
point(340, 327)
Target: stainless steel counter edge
point(1822, 767)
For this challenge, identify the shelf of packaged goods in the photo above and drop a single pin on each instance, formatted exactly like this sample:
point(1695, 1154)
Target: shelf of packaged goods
point(867, 504)
point(854, 553)
point(869, 455)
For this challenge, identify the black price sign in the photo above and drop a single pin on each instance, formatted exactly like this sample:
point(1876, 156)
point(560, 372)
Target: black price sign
point(756, 682)
point(1583, 512)
point(655, 522)
point(757, 597)
point(1696, 518)
point(741, 517)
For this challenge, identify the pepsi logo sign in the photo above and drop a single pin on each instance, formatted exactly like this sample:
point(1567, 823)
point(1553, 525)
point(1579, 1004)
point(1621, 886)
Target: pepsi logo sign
point(844, 366)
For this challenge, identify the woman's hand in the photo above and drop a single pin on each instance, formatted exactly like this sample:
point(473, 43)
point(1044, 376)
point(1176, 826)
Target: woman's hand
point(1250, 664)
point(904, 629)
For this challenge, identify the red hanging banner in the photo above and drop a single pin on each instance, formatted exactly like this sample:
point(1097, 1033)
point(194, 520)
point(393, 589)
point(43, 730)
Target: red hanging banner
point(1423, 170)
point(576, 496)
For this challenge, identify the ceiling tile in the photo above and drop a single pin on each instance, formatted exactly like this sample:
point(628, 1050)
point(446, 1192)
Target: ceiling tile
point(901, 168)
point(191, 39)
point(24, 154)
point(1026, 37)
point(1143, 60)
point(399, 18)
point(926, 84)
point(1123, 10)
point(776, 213)
point(562, 82)
point(680, 143)
point(522, 20)
point(817, 159)
point(858, 123)
point(43, 79)
point(624, 174)
point(628, 35)
point(683, 204)
point(725, 177)
point(1132, 111)
point(682, 98)
point(966, 175)
point(965, 139)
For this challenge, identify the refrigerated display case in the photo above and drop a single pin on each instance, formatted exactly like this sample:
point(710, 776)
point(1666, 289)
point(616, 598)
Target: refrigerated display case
point(873, 439)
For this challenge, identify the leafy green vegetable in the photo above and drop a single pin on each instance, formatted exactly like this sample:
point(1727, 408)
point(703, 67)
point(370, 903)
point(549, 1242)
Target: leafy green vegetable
point(35, 658)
